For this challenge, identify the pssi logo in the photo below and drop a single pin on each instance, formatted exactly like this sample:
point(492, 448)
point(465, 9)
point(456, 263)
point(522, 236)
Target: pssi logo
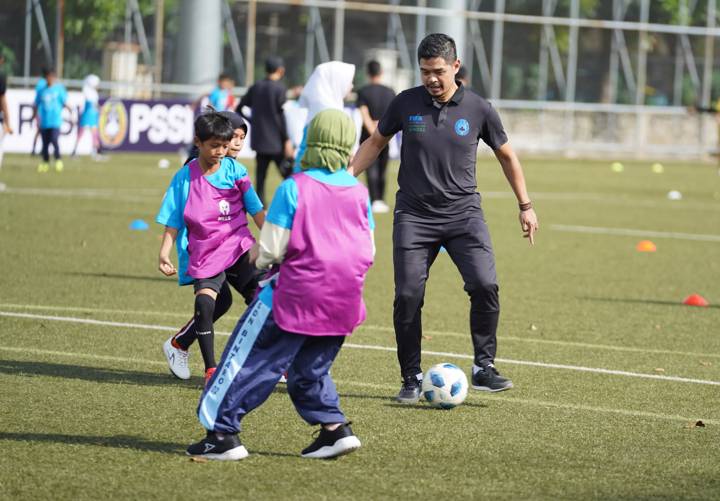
point(113, 123)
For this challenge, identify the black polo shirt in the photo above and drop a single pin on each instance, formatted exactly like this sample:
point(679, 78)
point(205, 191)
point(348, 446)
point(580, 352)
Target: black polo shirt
point(439, 150)
point(269, 132)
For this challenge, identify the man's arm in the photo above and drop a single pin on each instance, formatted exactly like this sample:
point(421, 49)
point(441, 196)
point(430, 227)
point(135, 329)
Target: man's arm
point(514, 174)
point(369, 124)
point(368, 152)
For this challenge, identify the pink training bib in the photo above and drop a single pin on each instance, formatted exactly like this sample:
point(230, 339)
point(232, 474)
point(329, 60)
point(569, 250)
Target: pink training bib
point(218, 232)
point(319, 288)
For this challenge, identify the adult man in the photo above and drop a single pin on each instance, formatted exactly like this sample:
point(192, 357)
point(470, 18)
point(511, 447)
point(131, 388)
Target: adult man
point(437, 205)
point(268, 134)
point(373, 100)
point(4, 115)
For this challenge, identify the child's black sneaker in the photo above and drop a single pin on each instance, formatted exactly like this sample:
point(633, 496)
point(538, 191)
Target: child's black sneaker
point(219, 446)
point(487, 378)
point(410, 390)
point(330, 444)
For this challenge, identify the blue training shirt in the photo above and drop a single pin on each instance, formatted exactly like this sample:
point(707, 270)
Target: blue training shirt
point(218, 99)
point(50, 102)
point(172, 209)
point(284, 203)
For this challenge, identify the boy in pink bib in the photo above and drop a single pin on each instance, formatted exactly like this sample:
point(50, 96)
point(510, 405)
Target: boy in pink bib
point(204, 210)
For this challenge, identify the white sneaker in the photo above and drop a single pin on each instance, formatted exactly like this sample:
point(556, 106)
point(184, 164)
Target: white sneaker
point(380, 207)
point(177, 360)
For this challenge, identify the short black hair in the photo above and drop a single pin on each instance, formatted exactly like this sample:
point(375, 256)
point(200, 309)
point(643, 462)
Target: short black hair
point(224, 76)
point(46, 72)
point(273, 63)
point(437, 45)
point(212, 124)
point(374, 69)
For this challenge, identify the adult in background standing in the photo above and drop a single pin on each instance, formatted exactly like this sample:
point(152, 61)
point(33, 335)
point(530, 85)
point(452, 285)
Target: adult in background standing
point(4, 115)
point(268, 134)
point(372, 101)
point(437, 205)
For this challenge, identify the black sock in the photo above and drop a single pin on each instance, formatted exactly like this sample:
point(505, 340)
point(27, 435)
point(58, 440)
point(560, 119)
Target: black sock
point(204, 309)
point(187, 335)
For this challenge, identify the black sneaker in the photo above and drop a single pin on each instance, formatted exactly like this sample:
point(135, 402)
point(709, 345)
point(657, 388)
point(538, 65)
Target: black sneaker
point(219, 446)
point(410, 390)
point(330, 444)
point(489, 379)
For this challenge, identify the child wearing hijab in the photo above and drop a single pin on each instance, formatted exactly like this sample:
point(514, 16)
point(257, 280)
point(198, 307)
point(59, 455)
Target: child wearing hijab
point(318, 236)
point(326, 89)
point(90, 116)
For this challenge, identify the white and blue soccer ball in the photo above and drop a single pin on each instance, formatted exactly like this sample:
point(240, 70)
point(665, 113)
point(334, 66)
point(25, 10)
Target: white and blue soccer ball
point(445, 386)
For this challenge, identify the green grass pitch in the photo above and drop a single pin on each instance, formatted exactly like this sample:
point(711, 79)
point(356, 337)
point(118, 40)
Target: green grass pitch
point(89, 410)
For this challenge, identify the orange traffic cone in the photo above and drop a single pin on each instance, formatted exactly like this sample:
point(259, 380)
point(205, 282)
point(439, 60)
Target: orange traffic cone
point(696, 300)
point(645, 246)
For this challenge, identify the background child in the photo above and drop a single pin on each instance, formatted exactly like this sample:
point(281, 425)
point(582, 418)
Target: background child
point(320, 231)
point(204, 212)
point(90, 115)
point(49, 103)
point(326, 89)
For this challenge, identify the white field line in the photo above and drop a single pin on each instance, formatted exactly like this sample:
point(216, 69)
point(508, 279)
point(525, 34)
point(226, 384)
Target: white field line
point(649, 351)
point(390, 388)
point(123, 195)
point(82, 309)
point(634, 233)
point(545, 403)
point(383, 348)
point(381, 328)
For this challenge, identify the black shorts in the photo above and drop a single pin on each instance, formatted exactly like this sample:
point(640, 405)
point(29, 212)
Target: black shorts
point(242, 275)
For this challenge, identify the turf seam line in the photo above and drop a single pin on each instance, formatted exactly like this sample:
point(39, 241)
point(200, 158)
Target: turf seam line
point(635, 233)
point(381, 328)
point(383, 348)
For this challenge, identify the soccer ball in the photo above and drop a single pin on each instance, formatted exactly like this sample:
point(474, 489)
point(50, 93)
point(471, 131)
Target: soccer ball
point(444, 386)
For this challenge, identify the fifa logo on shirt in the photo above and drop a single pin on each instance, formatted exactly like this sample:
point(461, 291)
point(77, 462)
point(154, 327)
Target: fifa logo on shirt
point(416, 123)
point(224, 208)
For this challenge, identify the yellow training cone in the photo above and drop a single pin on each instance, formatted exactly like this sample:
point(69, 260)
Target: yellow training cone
point(646, 246)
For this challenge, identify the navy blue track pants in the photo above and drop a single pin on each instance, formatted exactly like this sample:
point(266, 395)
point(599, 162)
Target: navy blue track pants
point(255, 357)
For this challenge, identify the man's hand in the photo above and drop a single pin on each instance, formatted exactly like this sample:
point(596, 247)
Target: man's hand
point(288, 149)
point(529, 224)
point(165, 266)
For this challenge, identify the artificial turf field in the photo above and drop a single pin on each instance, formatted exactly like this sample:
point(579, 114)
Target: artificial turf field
point(611, 371)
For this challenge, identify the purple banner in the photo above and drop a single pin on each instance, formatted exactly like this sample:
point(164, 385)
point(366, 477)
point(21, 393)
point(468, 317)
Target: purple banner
point(161, 125)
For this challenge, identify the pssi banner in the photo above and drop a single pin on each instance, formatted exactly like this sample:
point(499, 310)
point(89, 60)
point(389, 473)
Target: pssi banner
point(162, 125)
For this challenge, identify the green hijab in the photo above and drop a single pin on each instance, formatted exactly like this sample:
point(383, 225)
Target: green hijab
point(330, 138)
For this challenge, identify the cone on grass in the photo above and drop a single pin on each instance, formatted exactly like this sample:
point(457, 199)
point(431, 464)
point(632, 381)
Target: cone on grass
point(646, 246)
point(696, 300)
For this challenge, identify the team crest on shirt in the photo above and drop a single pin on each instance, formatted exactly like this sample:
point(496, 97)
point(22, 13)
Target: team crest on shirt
point(224, 208)
point(462, 127)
